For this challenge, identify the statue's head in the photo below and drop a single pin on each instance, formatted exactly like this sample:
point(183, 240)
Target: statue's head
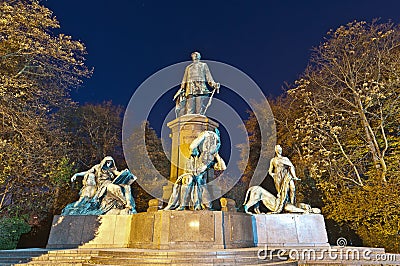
point(107, 163)
point(196, 56)
point(278, 149)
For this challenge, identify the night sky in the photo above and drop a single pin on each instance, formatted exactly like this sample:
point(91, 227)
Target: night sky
point(129, 40)
point(270, 41)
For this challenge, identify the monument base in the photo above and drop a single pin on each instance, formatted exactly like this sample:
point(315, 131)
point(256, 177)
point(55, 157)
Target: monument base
point(289, 229)
point(154, 230)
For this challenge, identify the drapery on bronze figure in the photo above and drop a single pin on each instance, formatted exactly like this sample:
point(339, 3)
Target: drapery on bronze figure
point(282, 171)
point(190, 189)
point(257, 194)
point(105, 190)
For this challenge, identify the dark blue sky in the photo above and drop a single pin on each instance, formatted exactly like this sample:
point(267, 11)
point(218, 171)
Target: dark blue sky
point(128, 40)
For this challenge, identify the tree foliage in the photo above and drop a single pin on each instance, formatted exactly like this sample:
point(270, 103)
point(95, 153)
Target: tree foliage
point(339, 127)
point(11, 228)
point(145, 154)
point(94, 131)
point(37, 69)
point(346, 127)
point(259, 146)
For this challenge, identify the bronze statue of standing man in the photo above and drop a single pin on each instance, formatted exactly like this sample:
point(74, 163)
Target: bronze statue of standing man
point(282, 171)
point(192, 98)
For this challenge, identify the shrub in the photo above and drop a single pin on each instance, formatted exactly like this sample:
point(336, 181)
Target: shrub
point(11, 228)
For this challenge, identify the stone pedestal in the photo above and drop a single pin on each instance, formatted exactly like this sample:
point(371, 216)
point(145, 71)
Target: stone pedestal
point(289, 229)
point(154, 230)
point(194, 229)
point(184, 130)
point(90, 230)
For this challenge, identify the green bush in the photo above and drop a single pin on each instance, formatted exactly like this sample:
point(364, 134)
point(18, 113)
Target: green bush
point(11, 228)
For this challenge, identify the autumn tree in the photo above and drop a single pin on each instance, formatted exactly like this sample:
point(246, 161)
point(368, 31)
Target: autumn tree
point(347, 133)
point(144, 153)
point(257, 154)
point(94, 132)
point(37, 69)
point(285, 111)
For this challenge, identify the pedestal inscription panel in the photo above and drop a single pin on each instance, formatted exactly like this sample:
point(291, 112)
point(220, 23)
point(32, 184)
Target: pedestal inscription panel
point(289, 229)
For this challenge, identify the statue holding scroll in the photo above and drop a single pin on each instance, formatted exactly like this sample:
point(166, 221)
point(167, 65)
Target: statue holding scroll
point(105, 190)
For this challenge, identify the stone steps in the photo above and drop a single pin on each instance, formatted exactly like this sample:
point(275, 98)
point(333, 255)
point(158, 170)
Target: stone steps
point(11, 257)
point(198, 261)
point(246, 256)
point(243, 256)
point(12, 260)
point(63, 257)
point(195, 257)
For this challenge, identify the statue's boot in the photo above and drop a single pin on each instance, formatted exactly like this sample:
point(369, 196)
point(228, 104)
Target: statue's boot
point(174, 198)
point(207, 206)
point(197, 207)
point(292, 196)
point(130, 202)
point(185, 197)
point(199, 198)
point(206, 198)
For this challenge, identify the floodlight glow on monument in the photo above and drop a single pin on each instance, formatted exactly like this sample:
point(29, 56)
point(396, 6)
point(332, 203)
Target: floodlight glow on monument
point(191, 212)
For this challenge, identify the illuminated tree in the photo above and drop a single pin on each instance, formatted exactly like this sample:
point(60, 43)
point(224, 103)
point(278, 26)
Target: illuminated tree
point(37, 69)
point(348, 98)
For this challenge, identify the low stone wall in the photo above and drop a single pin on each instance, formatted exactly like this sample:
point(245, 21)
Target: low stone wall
point(154, 230)
point(188, 229)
